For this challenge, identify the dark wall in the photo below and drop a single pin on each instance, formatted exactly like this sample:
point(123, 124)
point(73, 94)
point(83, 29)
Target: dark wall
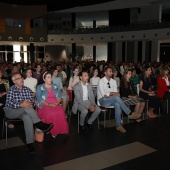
point(119, 17)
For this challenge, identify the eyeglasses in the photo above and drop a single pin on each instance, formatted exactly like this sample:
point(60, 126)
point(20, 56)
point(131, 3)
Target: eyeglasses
point(108, 85)
point(18, 78)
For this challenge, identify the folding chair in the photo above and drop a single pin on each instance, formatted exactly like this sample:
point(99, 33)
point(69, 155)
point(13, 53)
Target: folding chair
point(5, 126)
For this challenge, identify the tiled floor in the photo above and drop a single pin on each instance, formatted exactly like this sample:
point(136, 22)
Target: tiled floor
point(145, 146)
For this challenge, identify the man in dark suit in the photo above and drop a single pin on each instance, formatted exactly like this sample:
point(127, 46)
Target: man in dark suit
point(84, 101)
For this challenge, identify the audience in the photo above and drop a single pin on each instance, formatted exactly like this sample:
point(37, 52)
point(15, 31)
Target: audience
point(107, 95)
point(19, 104)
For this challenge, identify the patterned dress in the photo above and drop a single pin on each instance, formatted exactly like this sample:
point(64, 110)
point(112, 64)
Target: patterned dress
point(54, 115)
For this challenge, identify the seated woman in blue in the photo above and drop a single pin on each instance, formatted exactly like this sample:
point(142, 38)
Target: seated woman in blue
point(49, 108)
point(57, 80)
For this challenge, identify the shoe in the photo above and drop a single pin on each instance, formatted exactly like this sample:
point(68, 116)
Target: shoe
point(88, 126)
point(134, 116)
point(53, 136)
point(83, 129)
point(43, 126)
point(30, 149)
point(121, 129)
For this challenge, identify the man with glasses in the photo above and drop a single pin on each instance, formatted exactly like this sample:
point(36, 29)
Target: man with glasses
point(107, 95)
point(19, 104)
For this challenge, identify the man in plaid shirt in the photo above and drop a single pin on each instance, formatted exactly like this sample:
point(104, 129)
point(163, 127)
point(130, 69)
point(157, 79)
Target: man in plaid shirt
point(19, 104)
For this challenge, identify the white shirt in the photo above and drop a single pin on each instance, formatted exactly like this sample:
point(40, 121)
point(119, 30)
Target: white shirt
point(95, 81)
point(64, 74)
point(85, 92)
point(103, 87)
point(167, 81)
point(31, 83)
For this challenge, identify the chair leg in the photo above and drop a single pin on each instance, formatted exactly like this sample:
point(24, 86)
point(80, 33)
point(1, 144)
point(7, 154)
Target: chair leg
point(104, 119)
point(78, 119)
point(6, 131)
point(167, 105)
point(98, 123)
point(3, 124)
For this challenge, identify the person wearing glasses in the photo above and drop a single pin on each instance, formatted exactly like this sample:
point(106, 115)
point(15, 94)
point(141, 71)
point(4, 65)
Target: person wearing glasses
point(107, 95)
point(19, 104)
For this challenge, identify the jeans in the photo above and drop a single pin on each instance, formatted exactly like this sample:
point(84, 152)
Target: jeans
point(118, 104)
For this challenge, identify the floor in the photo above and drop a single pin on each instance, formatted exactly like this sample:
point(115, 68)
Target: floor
point(145, 146)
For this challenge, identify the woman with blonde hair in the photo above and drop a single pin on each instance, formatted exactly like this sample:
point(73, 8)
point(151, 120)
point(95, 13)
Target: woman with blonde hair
point(163, 84)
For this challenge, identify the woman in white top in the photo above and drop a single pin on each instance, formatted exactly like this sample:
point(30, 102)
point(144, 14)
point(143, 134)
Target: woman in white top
point(94, 81)
point(29, 81)
point(115, 73)
point(73, 79)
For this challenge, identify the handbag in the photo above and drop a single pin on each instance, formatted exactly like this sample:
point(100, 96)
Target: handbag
point(39, 135)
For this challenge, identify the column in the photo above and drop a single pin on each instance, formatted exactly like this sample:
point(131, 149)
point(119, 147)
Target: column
point(73, 51)
point(118, 56)
point(135, 52)
point(94, 53)
point(155, 50)
point(111, 51)
point(73, 21)
point(32, 48)
point(94, 23)
point(143, 51)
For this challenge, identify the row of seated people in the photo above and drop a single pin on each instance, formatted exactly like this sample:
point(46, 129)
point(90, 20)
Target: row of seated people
point(49, 97)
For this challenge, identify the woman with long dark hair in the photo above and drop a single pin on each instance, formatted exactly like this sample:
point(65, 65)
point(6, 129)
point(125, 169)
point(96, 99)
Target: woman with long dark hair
point(146, 92)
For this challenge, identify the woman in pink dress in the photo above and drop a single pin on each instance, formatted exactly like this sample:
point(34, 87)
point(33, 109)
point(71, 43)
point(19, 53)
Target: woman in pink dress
point(49, 108)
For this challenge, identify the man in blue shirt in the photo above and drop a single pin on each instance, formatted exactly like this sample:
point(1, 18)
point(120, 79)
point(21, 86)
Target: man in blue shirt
point(19, 104)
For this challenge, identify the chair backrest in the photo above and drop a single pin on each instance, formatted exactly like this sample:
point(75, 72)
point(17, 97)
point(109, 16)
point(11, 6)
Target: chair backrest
point(137, 89)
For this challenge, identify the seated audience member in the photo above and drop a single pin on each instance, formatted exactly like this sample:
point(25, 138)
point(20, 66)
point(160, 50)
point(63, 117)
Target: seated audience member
point(135, 79)
point(94, 81)
point(84, 101)
point(29, 81)
point(146, 92)
point(19, 104)
point(49, 108)
point(163, 84)
point(74, 79)
point(107, 95)
point(129, 94)
point(115, 77)
point(57, 80)
point(37, 73)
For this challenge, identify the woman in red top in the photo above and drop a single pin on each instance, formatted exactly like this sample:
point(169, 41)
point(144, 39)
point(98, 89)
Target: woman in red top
point(163, 82)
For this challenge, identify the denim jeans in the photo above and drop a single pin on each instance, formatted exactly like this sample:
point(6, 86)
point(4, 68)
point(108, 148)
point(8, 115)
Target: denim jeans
point(118, 104)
